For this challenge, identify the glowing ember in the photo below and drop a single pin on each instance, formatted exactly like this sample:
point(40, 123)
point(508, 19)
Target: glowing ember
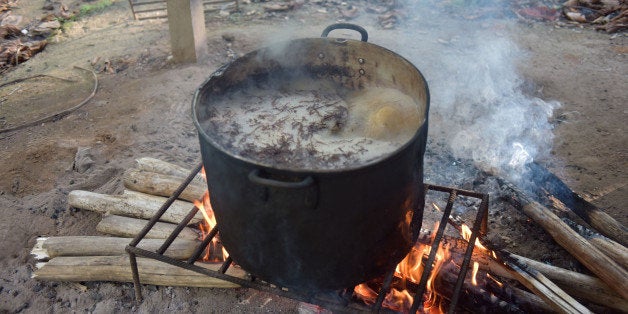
point(366, 293)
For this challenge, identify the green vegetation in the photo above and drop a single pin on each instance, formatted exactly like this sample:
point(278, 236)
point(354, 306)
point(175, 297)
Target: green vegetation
point(84, 10)
point(100, 5)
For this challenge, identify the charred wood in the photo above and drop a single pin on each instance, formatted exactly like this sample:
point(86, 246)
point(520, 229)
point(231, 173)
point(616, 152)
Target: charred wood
point(597, 218)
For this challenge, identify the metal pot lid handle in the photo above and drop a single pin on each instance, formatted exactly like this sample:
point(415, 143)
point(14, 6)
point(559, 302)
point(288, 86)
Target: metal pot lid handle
point(254, 176)
point(357, 28)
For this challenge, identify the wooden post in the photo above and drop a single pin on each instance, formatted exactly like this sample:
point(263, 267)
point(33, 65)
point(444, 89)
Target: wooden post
point(186, 22)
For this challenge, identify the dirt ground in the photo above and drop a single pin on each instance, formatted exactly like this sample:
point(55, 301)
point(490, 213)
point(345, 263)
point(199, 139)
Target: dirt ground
point(143, 109)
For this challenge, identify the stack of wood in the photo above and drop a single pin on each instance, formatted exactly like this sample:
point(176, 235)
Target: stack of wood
point(103, 258)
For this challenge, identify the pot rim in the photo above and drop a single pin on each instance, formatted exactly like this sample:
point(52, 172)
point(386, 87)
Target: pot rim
point(391, 155)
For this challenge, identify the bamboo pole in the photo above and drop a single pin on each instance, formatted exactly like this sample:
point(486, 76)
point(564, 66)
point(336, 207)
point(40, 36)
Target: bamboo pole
point(51, 247)
point(117, 269)
point(130, 227)
point(131, 204)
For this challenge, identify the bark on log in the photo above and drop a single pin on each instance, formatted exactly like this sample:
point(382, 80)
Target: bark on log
point(614, 250)
point(47, 248)
point(118, 269)
point(159, 166)
point(528, 302)
point(579, 285)
point(161, 184)
point(594, 216)
point(597, 262)
point(132, 204)
point(130, 227)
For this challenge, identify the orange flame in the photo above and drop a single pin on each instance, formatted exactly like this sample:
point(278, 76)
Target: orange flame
point(410, 268)
point(474, 273)
point(205, 207)
point(466, 234)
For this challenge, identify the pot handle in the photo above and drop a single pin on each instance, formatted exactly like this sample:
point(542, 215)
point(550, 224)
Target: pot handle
point(359, 29)
point(255, 178)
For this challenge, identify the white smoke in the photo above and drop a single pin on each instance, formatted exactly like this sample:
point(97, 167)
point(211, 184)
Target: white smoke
point(478, 107)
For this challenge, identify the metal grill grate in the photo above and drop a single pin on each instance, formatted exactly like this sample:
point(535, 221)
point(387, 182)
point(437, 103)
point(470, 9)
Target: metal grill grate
point(341, 302)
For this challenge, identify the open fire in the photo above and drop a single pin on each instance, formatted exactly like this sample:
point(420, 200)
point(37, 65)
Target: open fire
point(407, 274)
point(83, 258)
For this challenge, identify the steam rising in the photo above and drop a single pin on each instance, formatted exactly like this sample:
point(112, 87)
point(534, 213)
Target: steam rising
point(478, 107)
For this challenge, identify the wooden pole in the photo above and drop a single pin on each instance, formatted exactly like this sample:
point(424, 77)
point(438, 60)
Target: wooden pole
point(159, 166)
point(117, 269)
point(594, 216)
point(47, 248)
point(132, 204)
point(130, 227)
point(614, 250)
point(582, 286)
point(597, 262)
point(579, 285)
point(161, 184)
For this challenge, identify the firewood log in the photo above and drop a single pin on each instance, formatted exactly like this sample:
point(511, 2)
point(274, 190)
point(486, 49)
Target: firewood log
point(594, 216)
point(131, 227)
point(161, 184)
point(163, 167)
point(131, 204)
point(597, 262)
point(579, 285)
point(592, 258)
point(614, 250)
point(118, 269)
point(51, 247)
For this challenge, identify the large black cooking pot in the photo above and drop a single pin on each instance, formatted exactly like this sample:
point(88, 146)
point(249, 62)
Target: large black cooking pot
point(317, 229)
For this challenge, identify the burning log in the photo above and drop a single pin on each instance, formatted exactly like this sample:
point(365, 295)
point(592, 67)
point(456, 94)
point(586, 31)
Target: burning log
point(485, 302)
point(116, 268)
point(132, 204)
point(581, 286)
point(161, 184)
point(526, 301)
point(47, 248)
point(130, 227)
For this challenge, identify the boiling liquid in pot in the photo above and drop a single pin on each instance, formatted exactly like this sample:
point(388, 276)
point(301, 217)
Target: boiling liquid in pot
point(312, 124)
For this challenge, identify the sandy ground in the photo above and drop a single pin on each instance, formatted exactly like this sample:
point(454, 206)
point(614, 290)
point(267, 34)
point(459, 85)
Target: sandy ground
point(144, 110)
